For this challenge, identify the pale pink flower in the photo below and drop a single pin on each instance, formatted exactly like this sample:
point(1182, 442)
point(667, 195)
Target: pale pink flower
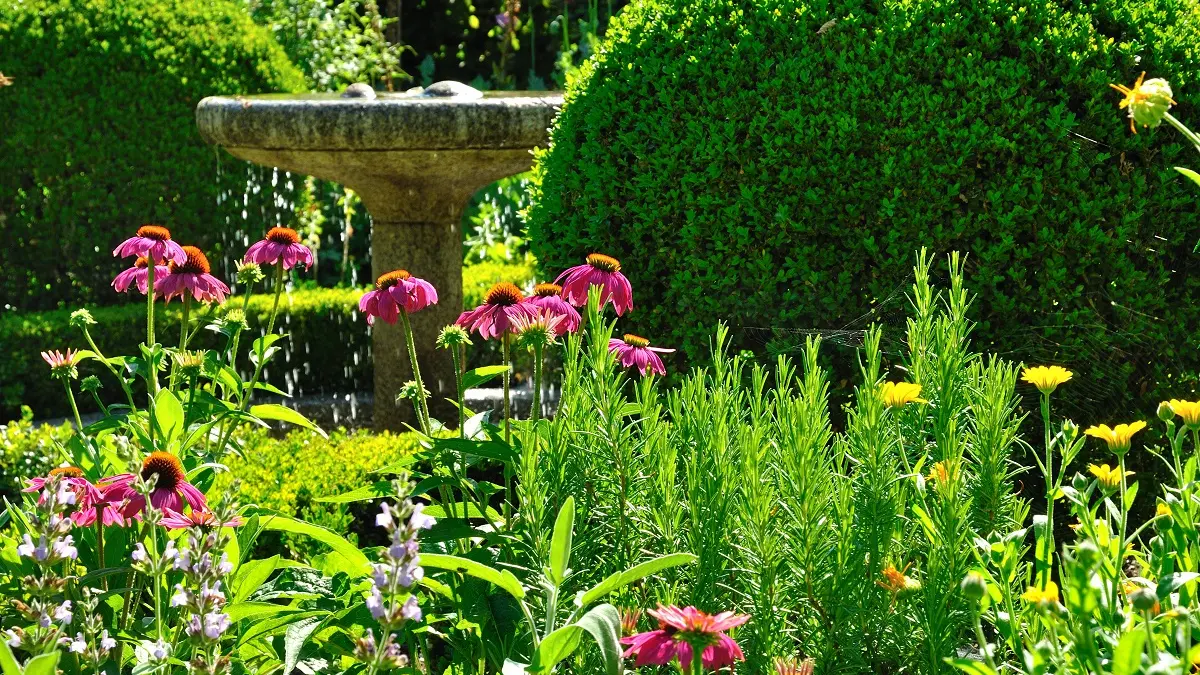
point(281, 244)
point(191, 276)
point(504, 303)
point(138, 274)
point(394, 291)
point(603, 271)
point(680, 632)
point(153, 242)
point(635, 352)
point(59, 361)
point(549, 298)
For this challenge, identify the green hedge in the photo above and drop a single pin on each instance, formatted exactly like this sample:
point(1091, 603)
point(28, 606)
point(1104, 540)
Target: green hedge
point(329, 349)
point(98, 136)
point(285, 473)
point(777, 163)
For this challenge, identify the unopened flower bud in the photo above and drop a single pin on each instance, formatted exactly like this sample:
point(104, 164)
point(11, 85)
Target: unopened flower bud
point(1143, 599)
point(81, 318)
point(974, 586)
point(91, 383)
point(249, 273)
point(452, 336)
point(1070, 430)
point(1165, 413)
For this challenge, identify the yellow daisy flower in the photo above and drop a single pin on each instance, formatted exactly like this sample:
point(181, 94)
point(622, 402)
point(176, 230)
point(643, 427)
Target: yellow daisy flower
point(1188, 410)
point(1109, 478)
point(1041, 596)
point(899, 394)
point(1046, 378)
point(1118, 437)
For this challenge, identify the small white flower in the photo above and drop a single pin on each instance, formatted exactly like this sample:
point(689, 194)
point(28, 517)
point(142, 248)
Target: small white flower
point(11, 637)
point(27, 549)
point(384, 518)
point(180, 598)
point(139, 554)
point(160, 650)
point(375, 604)
point(107, 643)
point(420, 521)
point(65, 548)
point(78, 645)
point(184, 561)
point(411, 610)
point(224, 567)
point(62, 613)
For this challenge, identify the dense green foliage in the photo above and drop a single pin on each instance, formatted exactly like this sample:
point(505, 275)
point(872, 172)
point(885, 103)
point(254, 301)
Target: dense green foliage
point(98, 135)
point(772, 163)
point(312, 317)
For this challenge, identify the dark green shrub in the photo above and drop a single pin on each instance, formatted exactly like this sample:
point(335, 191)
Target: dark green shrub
point(98, 135)
point(763, 164)
point(329, 350)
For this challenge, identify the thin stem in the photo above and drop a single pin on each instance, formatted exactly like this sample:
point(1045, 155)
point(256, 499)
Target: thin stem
point(983, 645)
point(537, 385)
point(455, 351)
point(507, 432)
point(422, 404)
point(183, 335)
point(258, 367)
point(1048, 540)
point(112, 369)
point(74, 408)
point(158, 626)
point(100, 546)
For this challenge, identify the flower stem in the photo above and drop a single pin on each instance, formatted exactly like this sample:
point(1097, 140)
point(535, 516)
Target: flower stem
point(455, 357)
point(422, 405)
point(74, 408)
point(183, 335)
point(100, 546)
point(537, 385)
point(507, 429)
point(1043, 575)
point(87, 335)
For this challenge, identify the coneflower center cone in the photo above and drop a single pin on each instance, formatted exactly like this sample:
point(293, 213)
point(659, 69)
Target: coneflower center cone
point(635, 340)
point(196, 263)
point(391, 279)
point(283, 235)
point(168, 469)
point(504, 294)
point(604, 262)
point(156, 232)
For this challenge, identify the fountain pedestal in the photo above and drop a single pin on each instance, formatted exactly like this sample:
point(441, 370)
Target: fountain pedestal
point(414, 161)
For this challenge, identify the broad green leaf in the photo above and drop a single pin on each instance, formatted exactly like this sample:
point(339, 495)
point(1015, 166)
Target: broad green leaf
point(621, 579)
point(478, 376)
point(497, 450)
point(468, 510)
point(1130, 495)
point(168, 411)
point(971, 666)
point(252, 575)
point(281, 523)
point(399, 466)
point(45, 664)
point(554, 648)
point(1190, 174)
point(294, 638)
point(502, 578)
point(274, 411)
point(8, 662)
point(1170, 584)
point(256, 610)
point(560, 542)
point(1127, 657)
point(383, 488)
point(450, 529)
point(603, 622)
point(272, 625)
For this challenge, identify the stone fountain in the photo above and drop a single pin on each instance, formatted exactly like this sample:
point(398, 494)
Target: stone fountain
point(414, 159)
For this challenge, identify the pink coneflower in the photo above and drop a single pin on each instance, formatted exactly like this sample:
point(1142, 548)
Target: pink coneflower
point(680, 631)
point(635, 352)
point(138, 274)
point(173, 520)
point(85, 493)
point(504, 302)
point(549, 298)
point(393, 291)
point(280, 244)
point(62, 364)
point(602, 271)
point(171, 490)
point(191, 276)
point(153, 242)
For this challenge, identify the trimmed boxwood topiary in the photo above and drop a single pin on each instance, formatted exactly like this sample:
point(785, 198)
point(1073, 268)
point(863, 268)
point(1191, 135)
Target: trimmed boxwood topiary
point(98, 134)
point(778, 163)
